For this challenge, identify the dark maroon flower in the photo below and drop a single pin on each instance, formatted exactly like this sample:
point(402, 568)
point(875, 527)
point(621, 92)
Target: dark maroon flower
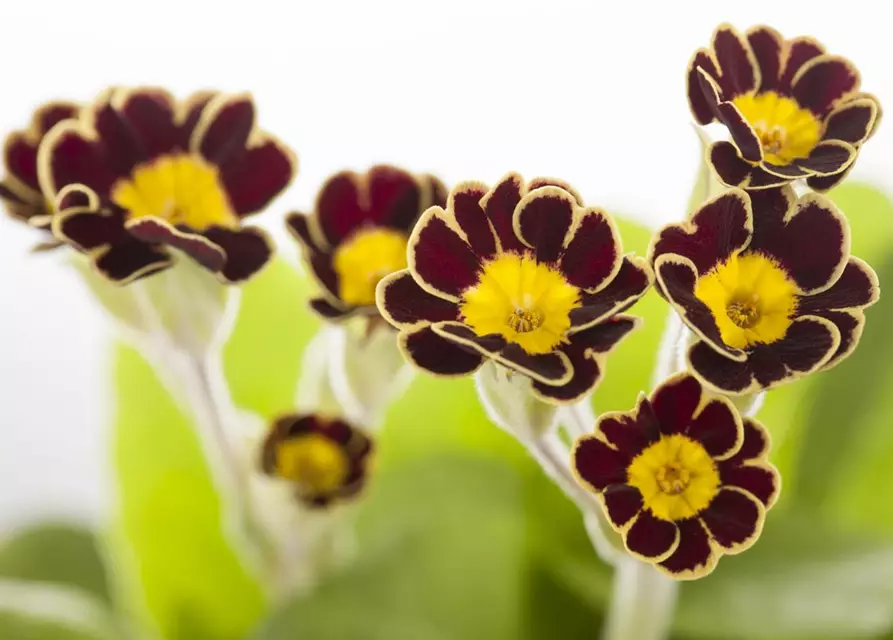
point(793, 110)
point(682, 477)
point(770, 302)
point(522, 274)
point(20, 188)
point(358, 232)
point(327, 460)
point(164, 175)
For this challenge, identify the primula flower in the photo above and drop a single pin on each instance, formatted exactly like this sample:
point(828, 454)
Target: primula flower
point(682, 478)
point(767, 284)
point(326, 460)
point(162, 175)
point(524, 275)
point(793, 110)
point(20, 188)
point(358, 233)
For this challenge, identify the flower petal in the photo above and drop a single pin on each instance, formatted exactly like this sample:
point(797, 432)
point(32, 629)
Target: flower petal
point(754, 447)
point(743, 134)
point(828, 158)
point(404, 304)
point(730, 167)
point(88, 230)
point(247, 251)
point(593, 254)
point(766, 44)
point(695, 556)
point(339, 207)
point(626, 433)
point(223, 128)
point(395, 197)
point(823, 81)
point(718, 428)
point(631, 282)
point(68, 156)
point(553, 369)
point(298, 225)
point(800, 50)
point(850, 324)
point(499, 204)
point(675, 401)
point(150, 113)
point(252, 179)
point(596, 465)
point(650, 538)
point(856, 288)
point(541, 181)
point(465, 202)
point(739, 73)
point(189, 113)
point(120, 147)
point(542, 220)
point(734, 519)
point(852, 121)
point(131, 260)
point(20, 160)
point(439, 257)
point(429, 351)
point(158, 231)
point(329, 311)
point(323, 271)
point(757, 478)
point(622, 503)
point(701, 107)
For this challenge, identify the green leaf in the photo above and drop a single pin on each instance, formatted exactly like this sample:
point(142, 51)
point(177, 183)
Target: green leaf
point(57, 553)
point(170, 522)
point(16, 625)
point(43, 611)
point(262, 359)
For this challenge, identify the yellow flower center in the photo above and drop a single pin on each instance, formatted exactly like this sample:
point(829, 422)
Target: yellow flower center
point(317, 464)
point(751, 298)
point(364, 259)
point(526, 302)
point(676, 477)
point(182, 189)
point(786, 131)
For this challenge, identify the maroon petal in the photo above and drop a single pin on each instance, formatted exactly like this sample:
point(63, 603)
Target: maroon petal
point(429, 351)
point(593, 255)
point(489, 345)
point(720, 227)
point(857, 287)
point(406, 305)
point(754, 446)
point(622, 504)
point(132, 260)
point(675, 402)
point(694, 557)
point(823, 82)
point(651, 538)
point(734, 519)
point(625, 433)
point(499, 204)
point(766, 44)
point(811, 245)
point(730, 167)
point(223, 129)
point(548, 368)
point(329, 311)
point(718, 428)
point(150, 113)
point(631, 282)
point(323, 271)
point(821, 184)
point(737, 66)
point(762, 178)
point(339, 207)
point(759, 479)
point(539, 182)
point(829, 157)
point(247, 251)
point(52, 113)
point(597, 465)
point(395, 197)
point(70, 157)
point(258, 175)
point(158, 231)
point(440, 258)
point(20, 160)
point(853, 121)
point(298, 225)
point(88, 230)
point(850, 324)
point(190, 112)
point(465, 202)
point(786, 172)
point(799, 51)
point(701, 107)
point(542, 220)
point(119, 145)
point(742, 132)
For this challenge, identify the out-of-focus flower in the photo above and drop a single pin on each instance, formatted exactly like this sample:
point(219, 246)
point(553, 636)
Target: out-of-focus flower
point(683, 478)
point(155, 174)
point(793, 110)
point(767, 284)
point(326, 460)
point(358, 232)
point(522, 274)
point(20, 188)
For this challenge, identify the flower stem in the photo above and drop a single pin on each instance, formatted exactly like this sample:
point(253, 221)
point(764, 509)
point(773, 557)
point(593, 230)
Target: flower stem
point(642, 602)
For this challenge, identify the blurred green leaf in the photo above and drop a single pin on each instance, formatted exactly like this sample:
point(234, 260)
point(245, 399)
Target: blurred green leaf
point(44, 611)
point(57, 553)
point(193, 584)
point(262, 359)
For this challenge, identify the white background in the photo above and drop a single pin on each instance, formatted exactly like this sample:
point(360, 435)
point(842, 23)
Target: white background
point(592, 92)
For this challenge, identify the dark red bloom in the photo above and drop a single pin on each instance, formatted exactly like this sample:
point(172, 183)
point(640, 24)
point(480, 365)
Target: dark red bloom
point(327, 460)
point(770, 302)
point(358, 232)
point(522, 274)
point(793, 110)
point(683, 477)
point(164, 175)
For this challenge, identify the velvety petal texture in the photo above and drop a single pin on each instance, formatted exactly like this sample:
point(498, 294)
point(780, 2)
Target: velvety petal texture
point(683, 478)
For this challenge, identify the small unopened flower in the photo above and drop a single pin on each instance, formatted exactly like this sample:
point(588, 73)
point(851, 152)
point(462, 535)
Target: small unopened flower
point(358, 232)
point(767, 284)
point(20, 188)
point(683, 478)
point(161, 174)
point(522, 274)
point(326, 460)
point(793, 110)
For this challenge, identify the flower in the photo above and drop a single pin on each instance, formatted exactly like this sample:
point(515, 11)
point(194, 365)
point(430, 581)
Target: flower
point(766, 283)
point(683, 478)
point(326, 460)
point(148, 174)
point(19, 188)
point(522, 274)
point(793, 110)
point(358, 233)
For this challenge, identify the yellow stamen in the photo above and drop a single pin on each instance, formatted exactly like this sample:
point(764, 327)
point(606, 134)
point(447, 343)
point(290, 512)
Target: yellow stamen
point(182, 189)
point(524, 301)
point(364, 259)
point(316, 463)
point(751, 298)
point(786, 131)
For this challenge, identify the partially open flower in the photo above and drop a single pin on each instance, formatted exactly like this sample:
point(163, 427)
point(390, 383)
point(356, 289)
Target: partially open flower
point(793, 110)
point(163, 175)
point(683, 478)
point(769, 302)
point(326, 460)
point(358, 233)
point(523, 274)
point(19, 188)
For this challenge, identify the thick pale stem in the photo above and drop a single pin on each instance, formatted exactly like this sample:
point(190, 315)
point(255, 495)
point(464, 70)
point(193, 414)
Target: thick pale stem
point(642, 603)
